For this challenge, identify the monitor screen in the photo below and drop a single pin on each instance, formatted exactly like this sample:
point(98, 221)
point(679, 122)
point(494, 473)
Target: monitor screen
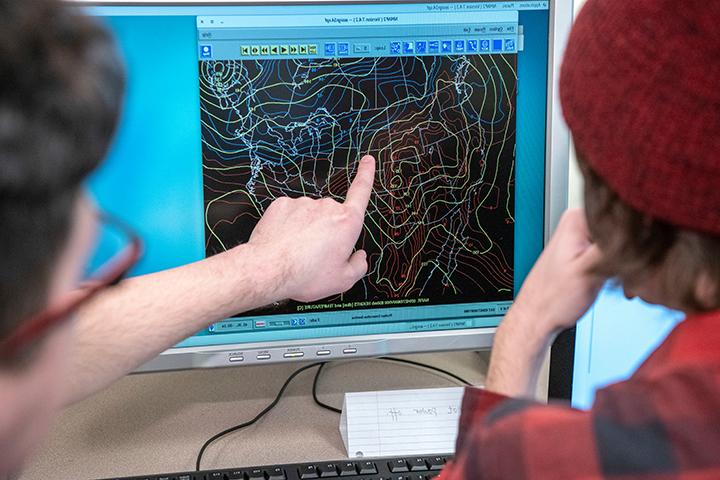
point(229, 107)
point(613, 338)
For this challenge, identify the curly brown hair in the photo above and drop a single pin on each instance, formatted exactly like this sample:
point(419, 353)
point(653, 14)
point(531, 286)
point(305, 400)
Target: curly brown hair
point(638, 248)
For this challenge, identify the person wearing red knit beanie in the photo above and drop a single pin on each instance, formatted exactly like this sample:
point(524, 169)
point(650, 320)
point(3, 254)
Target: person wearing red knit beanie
point(640, 90)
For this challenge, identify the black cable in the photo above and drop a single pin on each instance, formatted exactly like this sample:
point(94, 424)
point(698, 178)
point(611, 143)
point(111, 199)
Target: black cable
point(257, 417)
point(314, 392)
point(429, 367)
point(390, 359)
point(315, 397)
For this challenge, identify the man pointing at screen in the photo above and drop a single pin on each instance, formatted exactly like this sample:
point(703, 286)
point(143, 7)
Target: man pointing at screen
point(62, 338)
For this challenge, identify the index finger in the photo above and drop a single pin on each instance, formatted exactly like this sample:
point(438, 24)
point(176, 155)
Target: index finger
point(358, 195)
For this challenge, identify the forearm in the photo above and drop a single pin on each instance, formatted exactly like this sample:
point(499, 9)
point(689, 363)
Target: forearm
point(301, 249)
point(135, 321)
point(519, 349)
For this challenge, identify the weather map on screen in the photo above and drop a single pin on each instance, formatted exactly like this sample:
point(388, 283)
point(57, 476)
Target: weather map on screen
point(440, 225)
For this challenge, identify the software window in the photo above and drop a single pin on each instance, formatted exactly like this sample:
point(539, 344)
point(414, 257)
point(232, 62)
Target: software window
point(290, 103)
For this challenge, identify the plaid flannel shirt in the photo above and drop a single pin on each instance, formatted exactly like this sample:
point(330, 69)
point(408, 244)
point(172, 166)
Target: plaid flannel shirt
point(661, 424)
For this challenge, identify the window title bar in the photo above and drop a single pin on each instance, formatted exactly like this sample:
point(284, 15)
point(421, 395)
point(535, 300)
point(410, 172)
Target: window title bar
point(332, 20)
point(313, 8)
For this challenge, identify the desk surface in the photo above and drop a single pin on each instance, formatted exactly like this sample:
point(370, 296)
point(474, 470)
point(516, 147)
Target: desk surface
point(156, 423)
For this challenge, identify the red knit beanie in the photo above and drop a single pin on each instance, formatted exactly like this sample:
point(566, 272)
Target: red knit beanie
point(640, 89)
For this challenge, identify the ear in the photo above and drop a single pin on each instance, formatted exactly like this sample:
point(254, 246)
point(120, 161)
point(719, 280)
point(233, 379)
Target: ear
point(74, 256)
point(707, 292)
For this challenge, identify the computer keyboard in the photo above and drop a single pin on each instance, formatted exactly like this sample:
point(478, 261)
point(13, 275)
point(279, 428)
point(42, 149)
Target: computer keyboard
point(411, 468)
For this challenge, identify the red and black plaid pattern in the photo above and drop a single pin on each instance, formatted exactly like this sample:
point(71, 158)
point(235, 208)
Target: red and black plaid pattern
point(661, 424)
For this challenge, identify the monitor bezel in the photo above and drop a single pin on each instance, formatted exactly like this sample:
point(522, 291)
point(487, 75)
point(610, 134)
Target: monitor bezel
point(556, 198)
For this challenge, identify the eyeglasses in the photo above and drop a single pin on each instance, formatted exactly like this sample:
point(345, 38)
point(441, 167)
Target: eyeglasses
point(109, 273)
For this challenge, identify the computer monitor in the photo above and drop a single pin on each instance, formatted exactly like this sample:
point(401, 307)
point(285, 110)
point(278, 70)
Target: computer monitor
point(233, 104)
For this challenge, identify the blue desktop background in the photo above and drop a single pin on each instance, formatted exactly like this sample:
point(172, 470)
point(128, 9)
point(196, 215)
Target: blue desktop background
point(613, 339)
point(152, 176)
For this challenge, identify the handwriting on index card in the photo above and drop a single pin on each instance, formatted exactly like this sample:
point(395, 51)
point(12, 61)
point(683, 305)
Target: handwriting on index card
point(396, 414)
point(403, 422)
